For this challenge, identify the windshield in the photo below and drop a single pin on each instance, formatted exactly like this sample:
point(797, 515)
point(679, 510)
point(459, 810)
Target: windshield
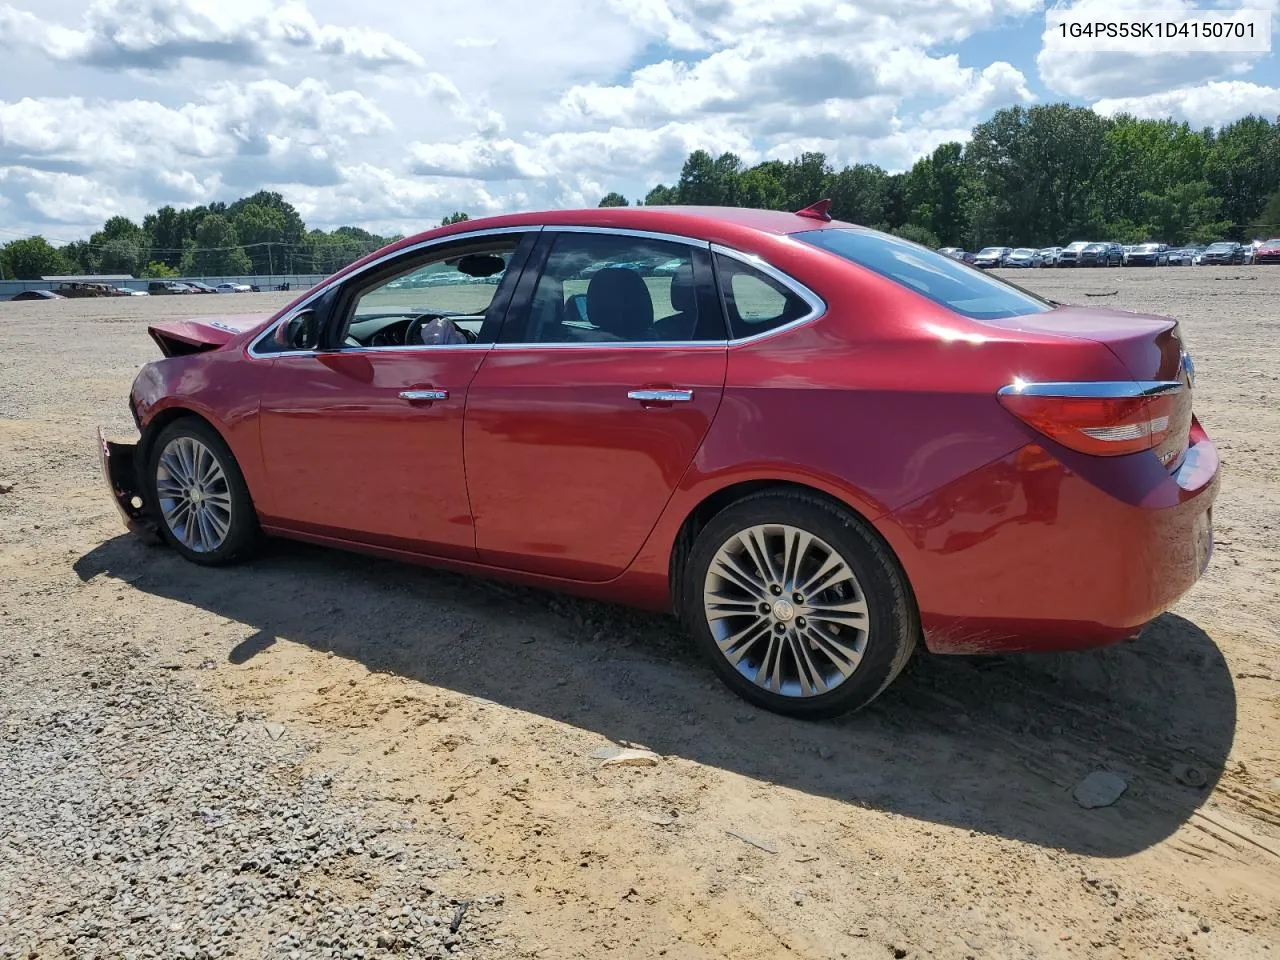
point(1148, 248)
point(990, 251)
point(1220, 246)
point(1078, 245)
point(1024, 252)
point(961, 288)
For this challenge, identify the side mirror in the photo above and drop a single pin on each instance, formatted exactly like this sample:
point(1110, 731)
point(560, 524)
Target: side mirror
point(299, 332)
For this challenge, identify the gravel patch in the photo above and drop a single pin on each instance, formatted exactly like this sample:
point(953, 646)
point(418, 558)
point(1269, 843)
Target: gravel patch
point(136, 822)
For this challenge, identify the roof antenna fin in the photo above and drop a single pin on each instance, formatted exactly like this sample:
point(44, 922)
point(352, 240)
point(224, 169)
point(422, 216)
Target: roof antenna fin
point(817, 211)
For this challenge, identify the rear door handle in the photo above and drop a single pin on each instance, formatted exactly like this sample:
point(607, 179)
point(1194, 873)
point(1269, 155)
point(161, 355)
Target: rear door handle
point(412, 395)
point(660, 396)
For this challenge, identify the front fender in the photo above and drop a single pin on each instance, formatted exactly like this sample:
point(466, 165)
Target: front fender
point(219, 386)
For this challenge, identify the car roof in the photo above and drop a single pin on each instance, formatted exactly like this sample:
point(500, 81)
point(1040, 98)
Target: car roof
point(727, 225)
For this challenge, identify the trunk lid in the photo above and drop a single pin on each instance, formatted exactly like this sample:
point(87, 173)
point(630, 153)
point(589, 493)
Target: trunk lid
point(178, 337)
point(1149, 347)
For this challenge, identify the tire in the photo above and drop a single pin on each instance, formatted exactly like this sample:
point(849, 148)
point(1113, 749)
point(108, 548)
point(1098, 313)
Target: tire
point(889, 627)
point(205, 542)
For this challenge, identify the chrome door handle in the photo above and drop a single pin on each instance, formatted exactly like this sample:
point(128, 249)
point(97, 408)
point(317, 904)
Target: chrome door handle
point(424, 394)
point(660, 396)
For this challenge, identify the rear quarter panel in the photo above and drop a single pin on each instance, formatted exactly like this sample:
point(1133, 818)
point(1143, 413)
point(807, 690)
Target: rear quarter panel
point(880, 401)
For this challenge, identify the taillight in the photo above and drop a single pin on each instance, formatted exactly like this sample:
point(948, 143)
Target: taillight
point(1104, 419)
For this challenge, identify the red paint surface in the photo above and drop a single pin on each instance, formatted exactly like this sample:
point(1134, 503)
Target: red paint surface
point(538, 468)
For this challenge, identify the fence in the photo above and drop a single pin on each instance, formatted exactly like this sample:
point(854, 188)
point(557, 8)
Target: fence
point(296, 282)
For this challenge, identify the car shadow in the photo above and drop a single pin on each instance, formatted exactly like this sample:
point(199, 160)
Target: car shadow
point(994, 745)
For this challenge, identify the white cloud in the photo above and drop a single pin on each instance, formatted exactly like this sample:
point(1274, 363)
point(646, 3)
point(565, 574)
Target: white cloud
point(1208, 105)
point(390, 115)
point(237, 136)
point(157, 35)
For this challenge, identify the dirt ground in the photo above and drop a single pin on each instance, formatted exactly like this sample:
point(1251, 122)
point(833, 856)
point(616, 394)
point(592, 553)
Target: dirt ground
point(938, 823)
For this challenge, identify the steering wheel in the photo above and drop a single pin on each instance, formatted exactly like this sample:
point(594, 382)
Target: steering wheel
point(413, 332)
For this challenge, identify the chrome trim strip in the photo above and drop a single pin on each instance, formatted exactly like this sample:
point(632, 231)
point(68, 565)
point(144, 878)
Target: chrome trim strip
point(325, 286)
point(625, 232)
point(817, 306)
point(1093, 388)
point(660, 396)
point(613, 344)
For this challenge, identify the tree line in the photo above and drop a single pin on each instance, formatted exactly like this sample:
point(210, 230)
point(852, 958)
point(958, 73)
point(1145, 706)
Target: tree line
point(1028, 177)
point(259, 235)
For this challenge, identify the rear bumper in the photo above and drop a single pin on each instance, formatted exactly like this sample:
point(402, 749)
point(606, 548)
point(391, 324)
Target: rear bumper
point(1027, 555)
point(120, 475)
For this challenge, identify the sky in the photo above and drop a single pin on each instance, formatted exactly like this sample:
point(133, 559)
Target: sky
point(389, 114)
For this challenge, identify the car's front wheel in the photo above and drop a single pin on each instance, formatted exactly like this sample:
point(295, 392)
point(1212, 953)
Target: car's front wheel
point(798, 605)
point(201, 503)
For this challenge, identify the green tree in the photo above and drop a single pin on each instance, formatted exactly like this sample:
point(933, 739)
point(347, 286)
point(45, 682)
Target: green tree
point(916, 234)
point(157, 270)
point(265, 233)
point(166, 235)
point(613, 200)
point(858, 194)
point(760, 189)
point(936, 192)
point(456, 217)
point(32, 258)
point(699, 181)
point(215, 250)
point(1268, 223)
point(80, 257)
point(1243, 167)
point(661, 196)
point(118, 246)
point(805, 180)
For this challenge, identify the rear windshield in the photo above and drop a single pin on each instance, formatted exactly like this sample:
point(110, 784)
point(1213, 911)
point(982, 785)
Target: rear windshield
point(955, 285)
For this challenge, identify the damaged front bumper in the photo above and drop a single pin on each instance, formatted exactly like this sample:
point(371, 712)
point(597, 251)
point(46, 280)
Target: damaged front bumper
point(120, 473)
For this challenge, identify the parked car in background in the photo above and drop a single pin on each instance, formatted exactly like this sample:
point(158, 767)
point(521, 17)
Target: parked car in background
point(1049, 256)
point(1023, 257)
point(1268, 252)
point(989, 257)
point(1101, 255)
point(131, 292)
point(1068, 513)
point(1222, 253)
point(167, 288)
point(36, 295)
point(1147, 255)
point(199, 287)
point(238, 287)
point(1069, 256)
point(955, 253)
point(1181, 256)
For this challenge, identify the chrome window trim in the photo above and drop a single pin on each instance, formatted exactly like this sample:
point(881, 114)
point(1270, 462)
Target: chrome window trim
point(321, 289)
point(817, 306)
point(1093, 388)
point(627, 232)
point(615, 345)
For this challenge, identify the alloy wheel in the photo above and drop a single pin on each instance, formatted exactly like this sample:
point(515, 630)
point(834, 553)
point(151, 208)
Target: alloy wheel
point(193, 493)
point(786, 610)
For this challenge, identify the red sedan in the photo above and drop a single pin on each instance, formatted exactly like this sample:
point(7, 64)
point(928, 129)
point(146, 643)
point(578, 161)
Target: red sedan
point(1268, 252)
point(817, 444)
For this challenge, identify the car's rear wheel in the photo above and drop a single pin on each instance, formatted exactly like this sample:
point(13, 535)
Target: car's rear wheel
point(201, 503)
point(798, 605)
